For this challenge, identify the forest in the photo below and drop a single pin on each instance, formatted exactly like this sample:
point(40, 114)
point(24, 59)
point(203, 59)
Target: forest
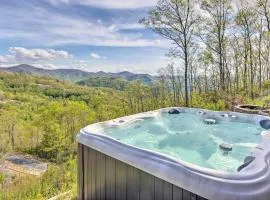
point(220, 57)
point(219, 45)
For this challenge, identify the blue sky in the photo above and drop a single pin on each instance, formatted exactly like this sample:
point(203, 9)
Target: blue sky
point(90, 35)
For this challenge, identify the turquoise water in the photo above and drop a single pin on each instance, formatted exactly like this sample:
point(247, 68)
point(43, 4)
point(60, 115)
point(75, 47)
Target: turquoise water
point(186, 137)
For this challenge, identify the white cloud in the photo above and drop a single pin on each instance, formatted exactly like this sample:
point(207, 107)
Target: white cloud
point(49, 28)
point(131, 26)
point(111, 4)
point(21, 53)
point(34, 56)
point(121, 4)
point(46, 66)
point(6, 59)
point(94, 55)
point(57, 2)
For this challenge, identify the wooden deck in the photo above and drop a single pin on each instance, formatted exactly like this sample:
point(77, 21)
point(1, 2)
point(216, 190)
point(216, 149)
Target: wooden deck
point(103, 177)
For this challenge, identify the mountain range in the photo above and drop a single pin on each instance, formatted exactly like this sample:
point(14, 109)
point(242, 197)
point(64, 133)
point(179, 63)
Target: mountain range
point(76, 75)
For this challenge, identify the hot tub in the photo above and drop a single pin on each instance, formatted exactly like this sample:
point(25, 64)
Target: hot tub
point(176, 153)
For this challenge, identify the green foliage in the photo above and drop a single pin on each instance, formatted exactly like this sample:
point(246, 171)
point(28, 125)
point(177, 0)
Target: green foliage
point(110, 82)
point(2, 178)
point(266, 85)
point(41, 116)
point(63, 122)
point(210, 101)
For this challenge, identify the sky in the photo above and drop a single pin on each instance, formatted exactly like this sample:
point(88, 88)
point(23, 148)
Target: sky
point(90, 35)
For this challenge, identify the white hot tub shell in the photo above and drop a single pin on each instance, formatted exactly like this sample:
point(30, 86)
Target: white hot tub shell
point(251, 183)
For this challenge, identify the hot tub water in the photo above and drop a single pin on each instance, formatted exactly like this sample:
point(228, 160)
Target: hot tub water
point(185, 136)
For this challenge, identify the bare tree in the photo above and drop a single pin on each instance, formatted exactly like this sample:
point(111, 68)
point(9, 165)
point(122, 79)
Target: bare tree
point(246, 19)
point(214, 30)
point(176, 21)
point(264, 6)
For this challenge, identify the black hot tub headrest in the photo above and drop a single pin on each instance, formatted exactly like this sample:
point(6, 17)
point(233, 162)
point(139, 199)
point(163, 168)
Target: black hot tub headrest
point(265, 123)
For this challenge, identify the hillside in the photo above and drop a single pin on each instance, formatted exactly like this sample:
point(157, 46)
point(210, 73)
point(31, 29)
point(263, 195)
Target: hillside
point(61, 74)
point(76, 75)
point(41, 116)
point(108, 82)
point(144, 78)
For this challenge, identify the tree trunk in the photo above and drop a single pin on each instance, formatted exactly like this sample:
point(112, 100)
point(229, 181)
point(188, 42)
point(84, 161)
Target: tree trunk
point(260, 59)
point(251, 69)
point(186, 78)
point(245, 67)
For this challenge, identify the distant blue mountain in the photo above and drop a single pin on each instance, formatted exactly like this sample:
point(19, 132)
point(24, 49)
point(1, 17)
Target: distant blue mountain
point(76, 75)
